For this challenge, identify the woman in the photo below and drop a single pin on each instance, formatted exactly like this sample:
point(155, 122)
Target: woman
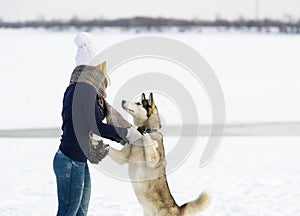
point(84, 108)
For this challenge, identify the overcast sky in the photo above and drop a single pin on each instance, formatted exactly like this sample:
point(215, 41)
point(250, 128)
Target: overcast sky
point(202, 9)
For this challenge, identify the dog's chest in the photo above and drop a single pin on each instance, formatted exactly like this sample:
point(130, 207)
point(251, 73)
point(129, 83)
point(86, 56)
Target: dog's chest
point(137, 167)
point(137, 154)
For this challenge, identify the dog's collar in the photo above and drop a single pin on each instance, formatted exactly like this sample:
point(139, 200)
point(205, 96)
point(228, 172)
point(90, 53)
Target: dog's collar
point(143, 130)
point(151, 130)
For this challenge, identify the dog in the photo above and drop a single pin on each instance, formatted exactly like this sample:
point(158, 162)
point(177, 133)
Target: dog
point(147, 164)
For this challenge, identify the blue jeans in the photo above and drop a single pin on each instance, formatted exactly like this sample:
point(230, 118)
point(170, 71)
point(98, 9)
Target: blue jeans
point(73, 185)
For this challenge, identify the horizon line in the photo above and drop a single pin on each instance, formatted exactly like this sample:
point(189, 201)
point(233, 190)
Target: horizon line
point(292, 19)
point(204, 130)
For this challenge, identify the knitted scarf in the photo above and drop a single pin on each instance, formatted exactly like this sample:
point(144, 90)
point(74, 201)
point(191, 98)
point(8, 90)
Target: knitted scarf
point(98, 79)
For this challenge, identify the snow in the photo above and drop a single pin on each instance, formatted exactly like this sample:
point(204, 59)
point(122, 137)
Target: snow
point(259, 74)
point(248, 176)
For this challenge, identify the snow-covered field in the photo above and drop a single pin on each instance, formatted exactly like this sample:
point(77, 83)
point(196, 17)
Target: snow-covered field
point(259, 74)
point(248, 176)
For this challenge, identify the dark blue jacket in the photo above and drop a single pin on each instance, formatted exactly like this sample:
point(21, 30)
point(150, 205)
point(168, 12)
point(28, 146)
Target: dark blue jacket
point(81, 115)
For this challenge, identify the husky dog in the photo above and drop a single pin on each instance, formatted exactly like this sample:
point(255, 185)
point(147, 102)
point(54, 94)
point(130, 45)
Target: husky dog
point(147, 165)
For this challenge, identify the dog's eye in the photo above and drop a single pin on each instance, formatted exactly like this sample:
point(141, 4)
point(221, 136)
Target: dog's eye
point(138, 103)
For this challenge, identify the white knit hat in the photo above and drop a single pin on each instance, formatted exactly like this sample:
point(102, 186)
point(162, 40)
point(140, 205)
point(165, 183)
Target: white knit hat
point(86, 51)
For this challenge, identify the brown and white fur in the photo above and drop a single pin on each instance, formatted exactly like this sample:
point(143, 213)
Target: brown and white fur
point(147, 165)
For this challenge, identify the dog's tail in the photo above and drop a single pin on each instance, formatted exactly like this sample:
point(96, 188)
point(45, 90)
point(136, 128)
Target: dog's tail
point(194, 207)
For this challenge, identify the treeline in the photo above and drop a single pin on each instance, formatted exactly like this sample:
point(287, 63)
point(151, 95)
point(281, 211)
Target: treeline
point(149, 23)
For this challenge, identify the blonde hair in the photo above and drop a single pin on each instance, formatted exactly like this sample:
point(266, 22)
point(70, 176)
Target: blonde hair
point(102, 67)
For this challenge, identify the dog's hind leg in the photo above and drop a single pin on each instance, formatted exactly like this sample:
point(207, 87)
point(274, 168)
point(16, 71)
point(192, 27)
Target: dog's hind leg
point(122, 156)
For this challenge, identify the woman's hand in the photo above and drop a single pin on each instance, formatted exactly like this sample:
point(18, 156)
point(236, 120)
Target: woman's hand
point(97, 151)
point(133, 134)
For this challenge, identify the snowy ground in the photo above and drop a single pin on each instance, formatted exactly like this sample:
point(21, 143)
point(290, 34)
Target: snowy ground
point(248, 176)
point(259, 74)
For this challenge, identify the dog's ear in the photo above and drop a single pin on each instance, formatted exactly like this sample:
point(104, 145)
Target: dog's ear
point(143, 97)
point(151, 100)
point(144, 101)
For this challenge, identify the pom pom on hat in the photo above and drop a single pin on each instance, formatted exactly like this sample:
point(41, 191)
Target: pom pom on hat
point(86, 51)
point(82, 39)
